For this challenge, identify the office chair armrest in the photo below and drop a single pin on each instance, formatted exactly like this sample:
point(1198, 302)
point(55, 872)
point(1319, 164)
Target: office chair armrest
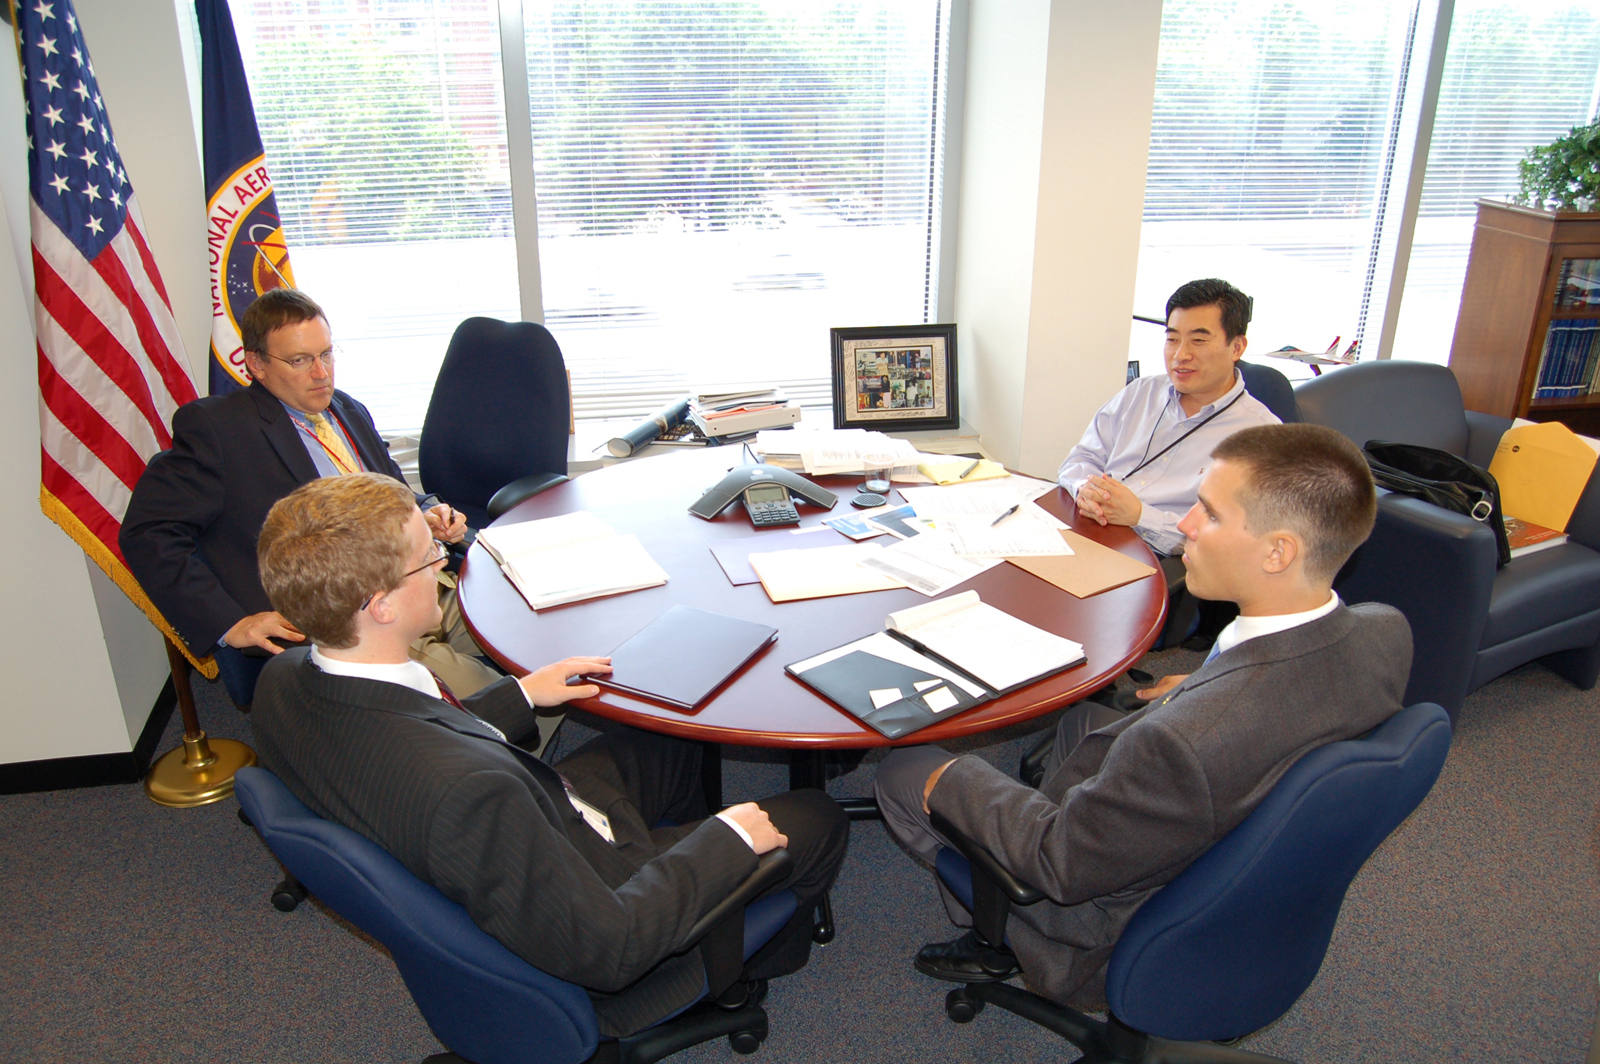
point(982, 860)
point(772, 867)
point(522, 489)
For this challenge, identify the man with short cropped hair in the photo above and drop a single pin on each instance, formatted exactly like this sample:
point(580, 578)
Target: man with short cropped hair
point(594, 873)
point(1128, 801)
point(189, 535)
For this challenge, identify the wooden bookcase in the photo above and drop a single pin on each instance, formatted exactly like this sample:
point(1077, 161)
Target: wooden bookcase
point(1511, 297)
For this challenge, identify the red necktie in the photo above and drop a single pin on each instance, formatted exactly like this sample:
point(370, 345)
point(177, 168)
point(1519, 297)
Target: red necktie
point(445, 692)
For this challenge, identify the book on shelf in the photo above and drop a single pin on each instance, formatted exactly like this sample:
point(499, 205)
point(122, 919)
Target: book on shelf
point(570, 558)
point(933, 661)
point(1570, 359)
point(1526, 537)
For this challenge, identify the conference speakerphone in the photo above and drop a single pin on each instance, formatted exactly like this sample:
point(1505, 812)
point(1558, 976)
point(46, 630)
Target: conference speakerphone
point(769, 495)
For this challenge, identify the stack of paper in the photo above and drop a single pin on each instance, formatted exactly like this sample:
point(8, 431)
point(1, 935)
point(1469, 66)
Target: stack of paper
point(731, 411)
point(821, 452)
point(570, 558)
point(788, 575)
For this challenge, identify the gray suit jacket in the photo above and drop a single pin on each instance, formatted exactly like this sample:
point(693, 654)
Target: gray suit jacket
point(489, 825)
point(1139, 800)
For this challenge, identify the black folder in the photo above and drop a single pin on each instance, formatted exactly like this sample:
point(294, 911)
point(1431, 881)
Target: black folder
point(848, 681)
point(684, 655)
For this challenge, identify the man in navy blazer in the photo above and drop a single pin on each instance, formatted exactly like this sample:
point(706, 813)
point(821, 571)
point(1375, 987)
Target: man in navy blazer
point(594, 873)
point(189, 534)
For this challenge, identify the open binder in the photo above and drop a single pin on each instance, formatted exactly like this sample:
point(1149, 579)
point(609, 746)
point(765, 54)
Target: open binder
point(934, 661)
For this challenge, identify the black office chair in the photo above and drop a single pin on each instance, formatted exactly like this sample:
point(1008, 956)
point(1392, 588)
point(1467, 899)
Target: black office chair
point(485, 1003)
point(1271, 389)
point(1470, 622)
point(497, 425)
point(1230, 944)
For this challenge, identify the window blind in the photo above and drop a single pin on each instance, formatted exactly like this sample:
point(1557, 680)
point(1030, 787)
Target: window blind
point(1518, 74)
point(720, 183)
point(1267, 149)
point(384, 127)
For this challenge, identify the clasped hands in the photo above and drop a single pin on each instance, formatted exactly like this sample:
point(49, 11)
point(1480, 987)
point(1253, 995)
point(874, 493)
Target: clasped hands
point(1108, 501)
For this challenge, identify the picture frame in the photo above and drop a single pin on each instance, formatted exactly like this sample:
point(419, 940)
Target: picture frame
point(895, 378)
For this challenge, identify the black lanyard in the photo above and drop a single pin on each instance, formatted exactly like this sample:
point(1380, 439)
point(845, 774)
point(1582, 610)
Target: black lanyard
point(1213, 416)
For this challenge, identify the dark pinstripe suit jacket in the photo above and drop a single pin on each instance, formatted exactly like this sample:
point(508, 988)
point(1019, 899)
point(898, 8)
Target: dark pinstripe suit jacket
point(190, 532)
point(1140, 799)
point(489, 825)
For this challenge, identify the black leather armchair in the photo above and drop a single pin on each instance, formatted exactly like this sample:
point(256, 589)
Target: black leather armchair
point(1469, 621)
point(496, 429)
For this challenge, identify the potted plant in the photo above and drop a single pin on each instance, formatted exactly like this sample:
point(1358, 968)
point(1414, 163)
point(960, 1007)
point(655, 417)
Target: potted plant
point(1564, 174)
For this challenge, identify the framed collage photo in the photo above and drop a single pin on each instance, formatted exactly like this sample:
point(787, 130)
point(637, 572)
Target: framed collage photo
point(895, 377)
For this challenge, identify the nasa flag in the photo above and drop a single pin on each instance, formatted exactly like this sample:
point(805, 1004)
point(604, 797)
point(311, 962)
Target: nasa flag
point(248, 251)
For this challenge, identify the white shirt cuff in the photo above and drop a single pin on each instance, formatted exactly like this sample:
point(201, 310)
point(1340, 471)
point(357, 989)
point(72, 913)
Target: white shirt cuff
point(742, 833)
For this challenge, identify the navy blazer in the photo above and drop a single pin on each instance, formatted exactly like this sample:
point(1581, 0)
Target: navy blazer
point(189, 536)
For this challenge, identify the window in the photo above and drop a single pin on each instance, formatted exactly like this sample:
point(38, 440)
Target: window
point(718, 183)
point(1276, 156)
point(721, 183)
point(1518, 74)
point(1267, 153)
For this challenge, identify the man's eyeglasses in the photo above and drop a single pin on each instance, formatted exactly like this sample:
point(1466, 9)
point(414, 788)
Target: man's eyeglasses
point(302, 363)
point(437, 554)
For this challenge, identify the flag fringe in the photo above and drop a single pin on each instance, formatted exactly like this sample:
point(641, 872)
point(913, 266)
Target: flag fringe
point(97, 551)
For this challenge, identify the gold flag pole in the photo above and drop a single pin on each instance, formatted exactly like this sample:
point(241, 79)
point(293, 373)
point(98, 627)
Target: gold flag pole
point(201, 771)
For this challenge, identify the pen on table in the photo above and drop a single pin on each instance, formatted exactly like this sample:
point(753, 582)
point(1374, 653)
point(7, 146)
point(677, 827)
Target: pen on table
point(1010, 510)
point(975, 464)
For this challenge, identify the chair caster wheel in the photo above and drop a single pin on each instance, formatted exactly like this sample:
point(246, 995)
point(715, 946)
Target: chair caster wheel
point(287, 896)
point(961, 1008)
point(744, 1042)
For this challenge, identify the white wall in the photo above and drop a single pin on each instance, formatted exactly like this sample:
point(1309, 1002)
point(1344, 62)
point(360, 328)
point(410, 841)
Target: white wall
point(83, 666)
point(1057, 131)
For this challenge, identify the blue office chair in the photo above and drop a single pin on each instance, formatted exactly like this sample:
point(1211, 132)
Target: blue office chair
point(1272, 389)
point(1231, 943)
point(496, 428)
point(485, 1003)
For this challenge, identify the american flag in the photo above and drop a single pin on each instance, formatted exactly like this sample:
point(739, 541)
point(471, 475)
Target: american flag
point(111, 364)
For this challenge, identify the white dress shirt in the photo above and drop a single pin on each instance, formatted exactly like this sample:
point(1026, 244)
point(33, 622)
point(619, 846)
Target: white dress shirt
point(417, 677)
point(1137, 423)
point(1244, 628)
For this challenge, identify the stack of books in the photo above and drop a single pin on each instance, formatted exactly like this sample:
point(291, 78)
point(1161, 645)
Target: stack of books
point(733, 411)
point(1571, 356)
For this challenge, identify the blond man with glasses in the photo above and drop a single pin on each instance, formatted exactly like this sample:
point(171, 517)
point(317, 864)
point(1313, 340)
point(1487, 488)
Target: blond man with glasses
point(594, 869)
point(189, 535)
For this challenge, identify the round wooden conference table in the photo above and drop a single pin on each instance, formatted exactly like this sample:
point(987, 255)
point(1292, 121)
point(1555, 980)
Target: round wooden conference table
point(763, 705)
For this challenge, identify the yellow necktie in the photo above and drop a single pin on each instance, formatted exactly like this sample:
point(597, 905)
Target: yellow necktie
point(334, 444)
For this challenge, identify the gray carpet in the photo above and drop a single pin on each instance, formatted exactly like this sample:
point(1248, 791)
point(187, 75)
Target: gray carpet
point(129, 932)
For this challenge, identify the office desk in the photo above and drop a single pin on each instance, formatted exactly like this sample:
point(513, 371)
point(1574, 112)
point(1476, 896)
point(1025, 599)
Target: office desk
point(764, 706)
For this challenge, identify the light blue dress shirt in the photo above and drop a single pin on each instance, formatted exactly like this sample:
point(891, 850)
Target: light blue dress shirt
point(1138, 422)
point(319, 455)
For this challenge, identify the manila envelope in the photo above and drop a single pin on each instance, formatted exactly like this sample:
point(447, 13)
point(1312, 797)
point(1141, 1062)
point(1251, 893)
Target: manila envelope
point(1090, 569)
point(1541, 470)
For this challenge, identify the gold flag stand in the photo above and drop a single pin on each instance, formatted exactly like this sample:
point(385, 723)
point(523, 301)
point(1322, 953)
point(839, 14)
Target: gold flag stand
point(201, 771)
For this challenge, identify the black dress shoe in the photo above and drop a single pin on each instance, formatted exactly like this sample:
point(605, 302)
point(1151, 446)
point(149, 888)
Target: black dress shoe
point(967, 959)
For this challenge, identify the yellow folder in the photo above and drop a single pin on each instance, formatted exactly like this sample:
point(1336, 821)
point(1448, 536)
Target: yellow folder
point(1542, 469)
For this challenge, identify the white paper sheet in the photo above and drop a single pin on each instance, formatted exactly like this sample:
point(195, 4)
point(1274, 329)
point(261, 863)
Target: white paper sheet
point(928, 563)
